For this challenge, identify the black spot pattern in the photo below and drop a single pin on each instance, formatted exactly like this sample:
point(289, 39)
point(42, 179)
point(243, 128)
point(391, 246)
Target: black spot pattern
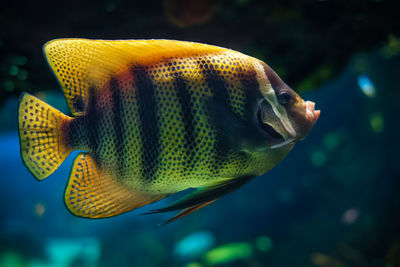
point(145, 97)
point(184, 99)
point(93, 120)
point(118, 111)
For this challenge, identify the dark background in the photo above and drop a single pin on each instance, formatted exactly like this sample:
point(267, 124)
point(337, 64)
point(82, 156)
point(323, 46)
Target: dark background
point(334, 201)
point(306, 42)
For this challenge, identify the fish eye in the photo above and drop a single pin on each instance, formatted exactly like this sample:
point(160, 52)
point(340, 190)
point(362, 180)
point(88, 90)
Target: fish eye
point(284, 97)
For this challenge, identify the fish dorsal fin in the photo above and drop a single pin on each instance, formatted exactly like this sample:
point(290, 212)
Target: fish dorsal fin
point(202, 196)
point(93, 193)
point(81, 64)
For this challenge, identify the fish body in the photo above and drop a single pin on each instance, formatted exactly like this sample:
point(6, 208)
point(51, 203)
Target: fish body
point(155, 117)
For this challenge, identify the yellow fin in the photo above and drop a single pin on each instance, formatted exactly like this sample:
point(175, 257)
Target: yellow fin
point(93, 193)
point(42, 139)
point(81, 64)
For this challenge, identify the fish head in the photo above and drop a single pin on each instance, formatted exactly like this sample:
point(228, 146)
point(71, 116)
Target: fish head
point(283, 116)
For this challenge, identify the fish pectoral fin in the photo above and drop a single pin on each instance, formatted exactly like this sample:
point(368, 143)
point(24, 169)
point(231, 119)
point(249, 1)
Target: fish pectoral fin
point(93, 193)
point(202, 196)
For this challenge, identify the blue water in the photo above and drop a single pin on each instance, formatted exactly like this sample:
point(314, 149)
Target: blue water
point(333, 199)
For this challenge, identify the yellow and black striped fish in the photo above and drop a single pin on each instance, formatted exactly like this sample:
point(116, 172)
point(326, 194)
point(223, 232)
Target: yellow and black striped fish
point(154, 117)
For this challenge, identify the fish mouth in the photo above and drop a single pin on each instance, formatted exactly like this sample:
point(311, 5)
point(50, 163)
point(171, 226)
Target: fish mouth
point(307, 117)
point(312, 115)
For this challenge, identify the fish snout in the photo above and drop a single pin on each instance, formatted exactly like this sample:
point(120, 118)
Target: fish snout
point(304, 117)
point(312, 115)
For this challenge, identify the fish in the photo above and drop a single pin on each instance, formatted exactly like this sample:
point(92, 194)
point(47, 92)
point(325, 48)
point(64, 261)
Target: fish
point(151, 118)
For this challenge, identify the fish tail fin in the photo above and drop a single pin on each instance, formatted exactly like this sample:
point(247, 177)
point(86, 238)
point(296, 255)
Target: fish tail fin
point(42, 136)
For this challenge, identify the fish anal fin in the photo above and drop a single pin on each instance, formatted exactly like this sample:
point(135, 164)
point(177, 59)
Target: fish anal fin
point(93, 193)
point(203, 196)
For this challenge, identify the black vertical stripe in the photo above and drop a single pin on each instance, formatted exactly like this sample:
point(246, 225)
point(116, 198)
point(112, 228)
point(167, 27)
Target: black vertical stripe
point(118, 111)
point(184, 99)
point(221, 99)
point(78, 104)
point(219, 90)
point(77, 134)
point(92, 122)
point(216, 83)
point(149, 131)
point(252, 95)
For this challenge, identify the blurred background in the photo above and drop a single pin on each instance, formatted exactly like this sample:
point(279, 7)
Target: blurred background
point(334, 201)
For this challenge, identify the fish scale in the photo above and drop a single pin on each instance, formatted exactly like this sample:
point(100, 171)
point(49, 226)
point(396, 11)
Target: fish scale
point(182, 159)
point(154, 117)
